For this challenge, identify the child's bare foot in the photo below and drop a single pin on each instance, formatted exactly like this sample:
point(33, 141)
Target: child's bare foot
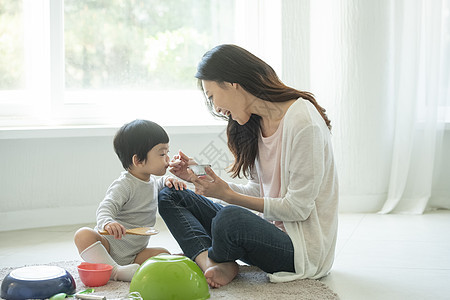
point(221, 274)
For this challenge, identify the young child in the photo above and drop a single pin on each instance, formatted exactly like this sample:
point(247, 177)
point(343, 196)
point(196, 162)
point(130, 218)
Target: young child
point(131, 201)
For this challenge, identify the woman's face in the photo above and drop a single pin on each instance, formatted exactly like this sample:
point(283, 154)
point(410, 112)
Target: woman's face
point(228, 99)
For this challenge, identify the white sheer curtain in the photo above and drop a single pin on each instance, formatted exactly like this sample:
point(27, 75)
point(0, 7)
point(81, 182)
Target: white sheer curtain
point(381, 69)
point(420, 90)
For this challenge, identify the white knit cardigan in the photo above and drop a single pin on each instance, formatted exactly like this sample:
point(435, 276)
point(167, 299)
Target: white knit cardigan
point(308, 205)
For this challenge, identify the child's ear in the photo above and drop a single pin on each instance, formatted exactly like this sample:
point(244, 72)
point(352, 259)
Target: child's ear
point(136, 160)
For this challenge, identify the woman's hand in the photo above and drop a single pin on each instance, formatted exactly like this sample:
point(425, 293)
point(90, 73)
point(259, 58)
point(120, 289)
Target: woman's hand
point(210, 185)
point(172, 182)
point(179, 166)
point(115, 229)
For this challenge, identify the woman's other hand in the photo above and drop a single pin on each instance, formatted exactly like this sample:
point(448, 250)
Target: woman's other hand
point(210, 185)
point(179, 166)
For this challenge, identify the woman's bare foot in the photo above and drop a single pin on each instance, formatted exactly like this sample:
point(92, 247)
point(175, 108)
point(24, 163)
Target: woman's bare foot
point(217, 274)
point(221, 274)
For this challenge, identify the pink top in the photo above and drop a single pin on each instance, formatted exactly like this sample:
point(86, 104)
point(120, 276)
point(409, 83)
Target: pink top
point(269, 154)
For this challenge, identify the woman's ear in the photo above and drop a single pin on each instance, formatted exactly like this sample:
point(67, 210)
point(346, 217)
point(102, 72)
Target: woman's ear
point(234, 85)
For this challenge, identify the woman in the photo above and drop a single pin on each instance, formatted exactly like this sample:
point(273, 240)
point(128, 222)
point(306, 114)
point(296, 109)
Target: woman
point(280, 139)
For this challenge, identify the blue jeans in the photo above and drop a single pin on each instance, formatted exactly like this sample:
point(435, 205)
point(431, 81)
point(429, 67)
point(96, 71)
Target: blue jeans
point(228, 233)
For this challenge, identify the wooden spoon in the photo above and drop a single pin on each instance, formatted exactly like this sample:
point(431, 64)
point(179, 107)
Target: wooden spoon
point(136, 231)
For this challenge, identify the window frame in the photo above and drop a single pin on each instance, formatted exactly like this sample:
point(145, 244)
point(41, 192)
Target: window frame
point(45, 102)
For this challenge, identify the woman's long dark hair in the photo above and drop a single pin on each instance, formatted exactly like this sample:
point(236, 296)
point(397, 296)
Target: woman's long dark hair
point(233, 64)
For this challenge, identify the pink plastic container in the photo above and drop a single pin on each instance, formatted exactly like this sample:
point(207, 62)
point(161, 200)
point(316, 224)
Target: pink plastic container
point(94, 274)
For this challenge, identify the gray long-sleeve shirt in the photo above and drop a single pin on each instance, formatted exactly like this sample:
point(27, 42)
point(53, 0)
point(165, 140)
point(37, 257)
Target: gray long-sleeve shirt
point(130, 201)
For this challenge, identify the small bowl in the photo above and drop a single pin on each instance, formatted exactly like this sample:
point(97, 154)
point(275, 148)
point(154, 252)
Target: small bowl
point(199, 170)
point(94, 274)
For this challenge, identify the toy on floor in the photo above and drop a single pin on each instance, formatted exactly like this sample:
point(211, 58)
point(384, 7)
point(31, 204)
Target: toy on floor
point(136, 231)
point(170, 277)
point(37, 282)
point(94, 274)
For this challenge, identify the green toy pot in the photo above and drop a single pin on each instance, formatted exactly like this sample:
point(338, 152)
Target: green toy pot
point(165, 277)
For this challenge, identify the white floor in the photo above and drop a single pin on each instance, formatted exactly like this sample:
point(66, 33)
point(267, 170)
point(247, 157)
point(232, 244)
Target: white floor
point(378, 256)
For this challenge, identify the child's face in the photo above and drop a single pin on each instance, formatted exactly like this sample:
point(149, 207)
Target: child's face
point(156, 163)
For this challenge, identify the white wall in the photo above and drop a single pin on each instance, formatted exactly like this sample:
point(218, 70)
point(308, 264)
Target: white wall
point(441, 177)
point(60, 180)
point(51, 181)
point(55, 180)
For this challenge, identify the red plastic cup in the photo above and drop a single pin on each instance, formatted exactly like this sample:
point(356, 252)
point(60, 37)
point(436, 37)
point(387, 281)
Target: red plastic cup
point(94, 274)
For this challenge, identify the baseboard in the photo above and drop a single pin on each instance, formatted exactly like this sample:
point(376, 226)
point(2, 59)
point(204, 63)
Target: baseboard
point(47, 217)
point(361, 203)
point(59, 216)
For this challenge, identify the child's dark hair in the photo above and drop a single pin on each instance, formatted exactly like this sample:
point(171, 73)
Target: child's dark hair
point(138, 137)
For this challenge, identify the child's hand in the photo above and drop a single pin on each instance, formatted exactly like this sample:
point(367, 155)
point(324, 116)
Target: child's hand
point(115, 229)
point(172, 182)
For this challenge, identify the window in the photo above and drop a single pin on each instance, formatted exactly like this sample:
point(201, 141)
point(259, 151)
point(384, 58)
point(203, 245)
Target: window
point(11, 73)
point(86, 62)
